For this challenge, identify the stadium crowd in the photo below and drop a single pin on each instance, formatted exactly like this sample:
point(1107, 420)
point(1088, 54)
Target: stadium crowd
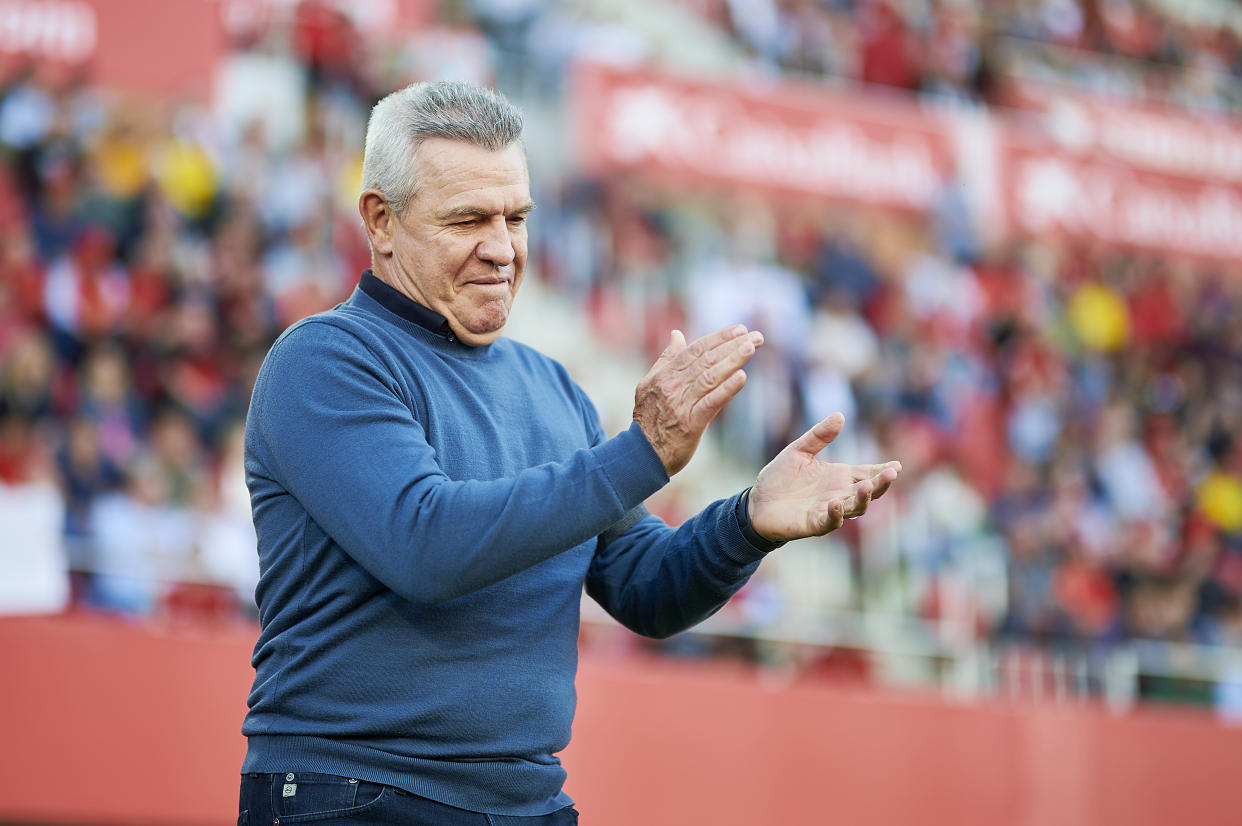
point(1138, 50)
point(1067, 414)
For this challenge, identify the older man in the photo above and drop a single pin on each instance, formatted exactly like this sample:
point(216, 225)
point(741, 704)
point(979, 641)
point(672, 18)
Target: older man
point(431, 498)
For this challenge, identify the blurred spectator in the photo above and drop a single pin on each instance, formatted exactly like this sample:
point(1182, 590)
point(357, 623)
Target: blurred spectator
point(176, 454)
point(142, 540)
point(508, 24)
point(887, 51)
point(27, 379)
point(107, 399)
point(21, 284)
point(327, 44)
point(86, 473)
point(32, 555)
point(227, 541)
point(87, 292)
point(840, 348)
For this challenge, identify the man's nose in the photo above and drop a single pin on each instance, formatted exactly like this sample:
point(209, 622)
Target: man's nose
point(497, 245)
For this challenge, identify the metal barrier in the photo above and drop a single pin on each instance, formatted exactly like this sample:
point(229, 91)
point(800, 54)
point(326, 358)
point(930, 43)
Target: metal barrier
point(1117, 675)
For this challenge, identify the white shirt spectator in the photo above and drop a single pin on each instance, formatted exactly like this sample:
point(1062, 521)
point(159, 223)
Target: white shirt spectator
point(34, 575)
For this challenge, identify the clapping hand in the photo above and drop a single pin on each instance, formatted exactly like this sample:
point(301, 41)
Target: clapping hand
point(797, 495)
point(687, 386)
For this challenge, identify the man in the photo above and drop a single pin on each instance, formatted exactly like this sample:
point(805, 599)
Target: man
point(430, 499)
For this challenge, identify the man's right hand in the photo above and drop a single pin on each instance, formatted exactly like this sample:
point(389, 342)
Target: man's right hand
point(687, 386)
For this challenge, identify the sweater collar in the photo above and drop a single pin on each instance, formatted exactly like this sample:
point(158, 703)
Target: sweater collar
point(398, 303)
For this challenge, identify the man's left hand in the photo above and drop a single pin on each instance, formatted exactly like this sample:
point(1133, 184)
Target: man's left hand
point(797, 495)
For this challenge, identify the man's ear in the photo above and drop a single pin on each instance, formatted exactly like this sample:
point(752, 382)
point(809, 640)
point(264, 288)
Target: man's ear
point(378, 220)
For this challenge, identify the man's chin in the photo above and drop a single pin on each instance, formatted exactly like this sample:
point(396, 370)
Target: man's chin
point(478, 339)
point(483, 330)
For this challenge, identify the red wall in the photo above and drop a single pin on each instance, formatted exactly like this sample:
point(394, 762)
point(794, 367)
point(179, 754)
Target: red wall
point(103, 722)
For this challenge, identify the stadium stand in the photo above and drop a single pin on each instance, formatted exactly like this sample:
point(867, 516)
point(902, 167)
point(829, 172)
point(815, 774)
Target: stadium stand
point(1062, 389)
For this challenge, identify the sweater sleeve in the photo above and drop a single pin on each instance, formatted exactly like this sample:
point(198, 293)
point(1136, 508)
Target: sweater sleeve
point(328, 427)
point(658, 581)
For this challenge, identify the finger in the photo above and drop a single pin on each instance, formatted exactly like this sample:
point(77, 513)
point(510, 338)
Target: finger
point(884, 479)
point(835, 517)
point(707, 344)
point(708, 407)
point(819, 436)
point(872, 471)
point(712, 368)
point(862, 498)
point(676, 343)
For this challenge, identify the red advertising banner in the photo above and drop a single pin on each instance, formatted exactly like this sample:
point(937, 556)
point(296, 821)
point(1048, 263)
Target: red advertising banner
point(1143, 135)
point(1050, 190)
point(780, 138)
point(153, 47)
point(1139, 175)
point(1132, 177)
point(380, 20)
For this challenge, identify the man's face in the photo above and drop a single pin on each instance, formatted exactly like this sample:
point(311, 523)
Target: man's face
point(460, 247)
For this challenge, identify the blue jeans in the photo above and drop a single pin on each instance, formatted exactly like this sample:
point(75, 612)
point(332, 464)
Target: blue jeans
point(307, 797)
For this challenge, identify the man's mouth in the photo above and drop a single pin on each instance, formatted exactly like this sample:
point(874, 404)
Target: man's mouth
point(490, 280)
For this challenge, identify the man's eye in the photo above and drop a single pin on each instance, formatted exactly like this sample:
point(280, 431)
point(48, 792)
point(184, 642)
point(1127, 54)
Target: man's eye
point(517, 219)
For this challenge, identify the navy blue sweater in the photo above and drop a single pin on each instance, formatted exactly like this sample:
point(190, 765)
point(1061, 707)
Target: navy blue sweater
point(428, 514)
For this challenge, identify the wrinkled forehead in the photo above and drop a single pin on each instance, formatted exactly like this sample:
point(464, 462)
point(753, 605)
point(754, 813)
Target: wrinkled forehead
point(454, 174)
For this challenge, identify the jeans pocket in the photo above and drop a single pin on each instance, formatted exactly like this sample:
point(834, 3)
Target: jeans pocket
point(307, 796)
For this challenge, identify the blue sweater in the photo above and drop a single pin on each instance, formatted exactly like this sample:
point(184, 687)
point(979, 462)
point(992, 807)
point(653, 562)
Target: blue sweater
point(428, 514)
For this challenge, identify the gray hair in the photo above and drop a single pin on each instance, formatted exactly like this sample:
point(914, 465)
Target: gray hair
point(447, 109)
